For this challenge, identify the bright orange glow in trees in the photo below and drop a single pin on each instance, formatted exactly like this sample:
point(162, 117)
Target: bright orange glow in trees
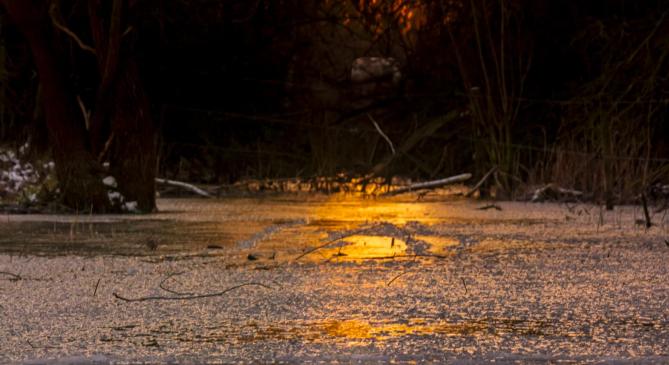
point(381, 14)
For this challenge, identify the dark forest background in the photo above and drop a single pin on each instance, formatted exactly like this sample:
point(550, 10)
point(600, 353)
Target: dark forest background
point(563, 91)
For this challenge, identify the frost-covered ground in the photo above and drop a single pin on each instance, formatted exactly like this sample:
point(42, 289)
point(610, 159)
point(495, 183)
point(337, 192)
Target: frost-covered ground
point(407, 281)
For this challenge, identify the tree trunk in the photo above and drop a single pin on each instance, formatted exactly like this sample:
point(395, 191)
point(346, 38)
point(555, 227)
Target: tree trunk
point(79, 176)
point(122, 114)
point(134, 154)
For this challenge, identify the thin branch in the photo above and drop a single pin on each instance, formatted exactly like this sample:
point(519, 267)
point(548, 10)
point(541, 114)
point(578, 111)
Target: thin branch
point(85, 112)
point(105, 149)
point(413, 256)
point(650, 36)
point(396, 277)
point(96, 287)
point(378, 129)
point(64, 29)
point(127, 31)
point(319, 247)
point(478, 184)
point(188, 297)
point(162, 285)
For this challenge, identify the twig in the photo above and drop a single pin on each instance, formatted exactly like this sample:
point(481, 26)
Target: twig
point(96, 287)
point(414, 139)
point(378, 129)
point(327, 243)
point(184, 185)
point(39, 347)
point(64, 29)
point(430, 184)
point(396, 277)
point(478, 184)
point(490, 206)
point(13, 277)
point(465, 285)
point(413, 257)
point(105, 149)
point(85, 112)
point(162, 283)
point(188, 297)
point(318, 247)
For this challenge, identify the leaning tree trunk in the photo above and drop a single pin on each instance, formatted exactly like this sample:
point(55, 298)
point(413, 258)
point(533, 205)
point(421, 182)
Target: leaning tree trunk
point(79, 175)
point(122, 115)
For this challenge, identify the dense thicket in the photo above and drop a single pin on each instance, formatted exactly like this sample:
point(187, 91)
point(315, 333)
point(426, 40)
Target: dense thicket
point(565, 91)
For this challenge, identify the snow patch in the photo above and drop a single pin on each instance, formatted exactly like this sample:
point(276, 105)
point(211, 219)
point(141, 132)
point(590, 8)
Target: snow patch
point(110, 181)
point(131, 207)
point(115, 197)
point(15, 174)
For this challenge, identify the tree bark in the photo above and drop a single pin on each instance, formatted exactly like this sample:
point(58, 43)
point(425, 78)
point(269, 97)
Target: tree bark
point(134, 153)
point(78, 174)
point(122, 112)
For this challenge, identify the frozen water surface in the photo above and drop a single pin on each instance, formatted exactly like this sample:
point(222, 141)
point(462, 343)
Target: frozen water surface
point(393, 280)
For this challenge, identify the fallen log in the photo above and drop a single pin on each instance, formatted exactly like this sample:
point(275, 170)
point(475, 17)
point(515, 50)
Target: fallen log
point(554, 192)
point(430, 184)
point(184, 185)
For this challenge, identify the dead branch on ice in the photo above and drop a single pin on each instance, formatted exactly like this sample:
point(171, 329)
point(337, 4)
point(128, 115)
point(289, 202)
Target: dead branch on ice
point(396, 277)
point(554, 192)
point(184, 185)
point(162, 285)
point(490, 206)
point(430, 184)
point(12, 276)
point(188, 297)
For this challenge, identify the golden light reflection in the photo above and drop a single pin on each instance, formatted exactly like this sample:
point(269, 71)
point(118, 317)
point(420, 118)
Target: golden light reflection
point(439, 245)
point(352, 209)
point(360, 329)
point(350, 329)
point(361, 247)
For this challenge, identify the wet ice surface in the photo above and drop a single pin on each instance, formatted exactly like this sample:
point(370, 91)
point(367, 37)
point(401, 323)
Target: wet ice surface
point(396, 281)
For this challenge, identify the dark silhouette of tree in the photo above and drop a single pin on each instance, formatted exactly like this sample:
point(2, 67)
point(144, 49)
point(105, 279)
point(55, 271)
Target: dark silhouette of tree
point(120, 129)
